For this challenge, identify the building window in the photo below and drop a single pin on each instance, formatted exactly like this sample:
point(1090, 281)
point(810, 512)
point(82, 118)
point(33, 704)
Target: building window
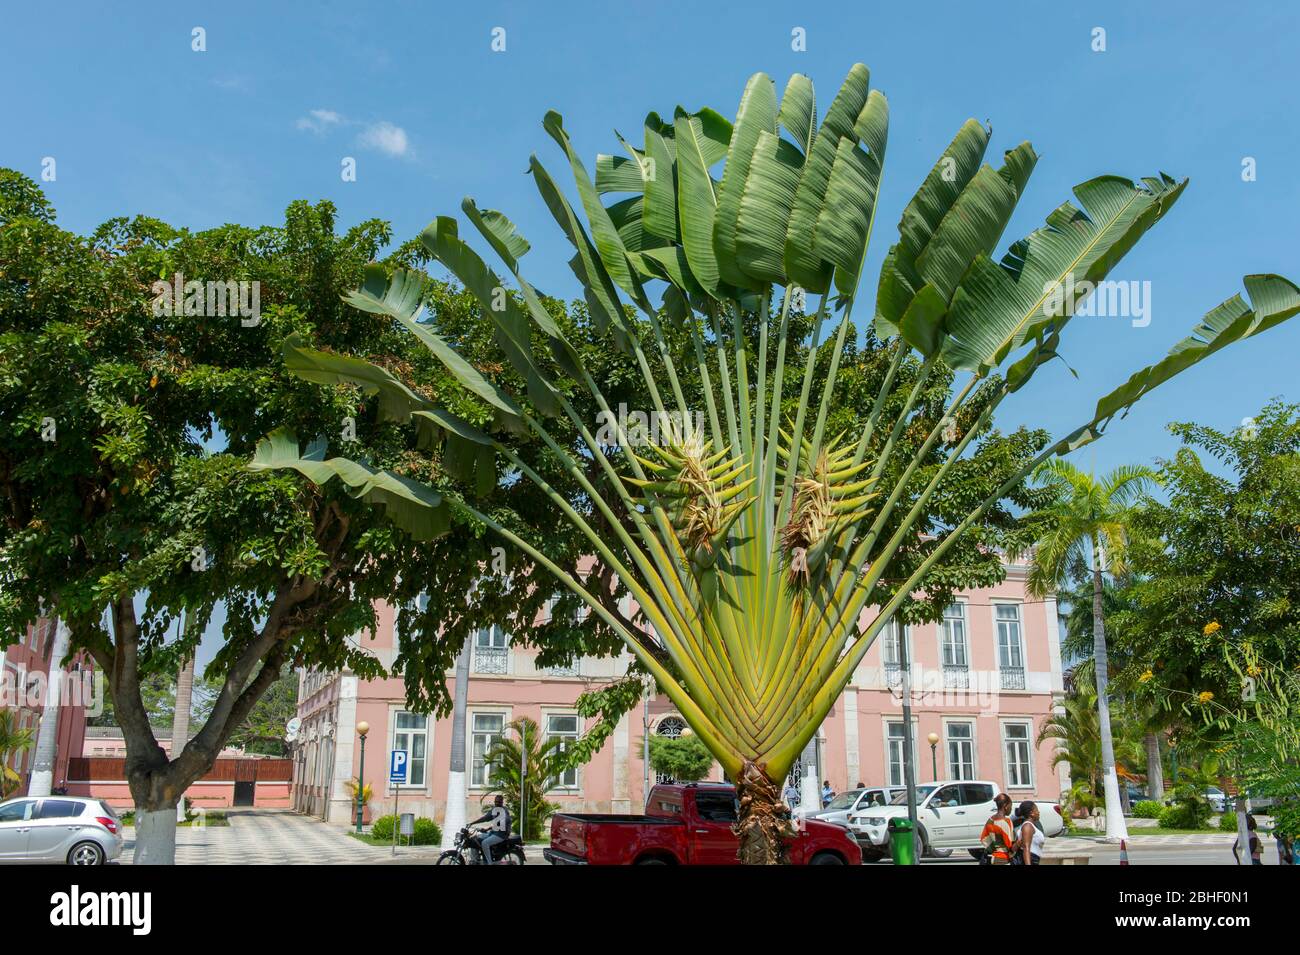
point(487, 729)
point(1018, 755)
point(563, 727)
point(491, 650)
point(1011, 658)
point(672, 727)
point(961, 750)
point(955, 651)
point(892, 652)
point(411, 733)
point(894, 739)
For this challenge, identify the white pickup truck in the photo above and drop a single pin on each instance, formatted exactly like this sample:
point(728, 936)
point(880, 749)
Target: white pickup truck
point(949, 814)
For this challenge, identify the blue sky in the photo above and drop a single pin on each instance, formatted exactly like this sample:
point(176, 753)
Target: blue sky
point(140, 123)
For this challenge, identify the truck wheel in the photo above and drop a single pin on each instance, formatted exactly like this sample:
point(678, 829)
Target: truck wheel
point(940, 853)
point(826, 858)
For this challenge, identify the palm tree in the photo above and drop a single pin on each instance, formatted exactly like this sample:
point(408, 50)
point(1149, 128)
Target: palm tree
point(543, 766)
point(12, 741)
point(754, 539)
point(1088, 521)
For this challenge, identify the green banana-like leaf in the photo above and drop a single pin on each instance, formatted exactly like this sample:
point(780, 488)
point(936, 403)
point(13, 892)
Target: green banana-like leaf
point(757, 115)
point(799, 111)
point(697, 203)
point(899, 279)
point(1273, 299)
point(400, 300)
point(660, 213)
point(849, 208)
point(442, 239)
point(397, 402)
point(802, 264)
point(765, 209)
point(416, 508)
point(1000, 306)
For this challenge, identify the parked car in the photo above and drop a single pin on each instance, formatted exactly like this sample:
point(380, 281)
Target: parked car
point(949, 814)
point(1218, 799)
point(847, 803)
point(683, 825)
point(71, 829)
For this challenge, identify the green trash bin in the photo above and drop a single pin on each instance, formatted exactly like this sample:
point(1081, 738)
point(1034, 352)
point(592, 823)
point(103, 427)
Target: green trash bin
point(902, 844)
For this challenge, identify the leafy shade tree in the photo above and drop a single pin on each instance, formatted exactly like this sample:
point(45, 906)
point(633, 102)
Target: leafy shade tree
point(684, 757)
point(128, 420)
point(1087, 522)
point(526, 765)
point(753, 537)
point(262, 731)
point(13, 741)
point(1214, 623)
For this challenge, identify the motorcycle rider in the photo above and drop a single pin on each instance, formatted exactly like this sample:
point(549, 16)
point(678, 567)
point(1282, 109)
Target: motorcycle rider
point(499, 819)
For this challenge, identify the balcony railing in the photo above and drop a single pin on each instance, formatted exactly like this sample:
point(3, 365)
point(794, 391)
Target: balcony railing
point(893, 674)
point(570, 670)
point(956, 677)
point(1013, 678)
point(491, 659)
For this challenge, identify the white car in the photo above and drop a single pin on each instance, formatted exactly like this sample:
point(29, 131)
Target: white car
point(949, 815)
point(72, 829)
point(848, 803)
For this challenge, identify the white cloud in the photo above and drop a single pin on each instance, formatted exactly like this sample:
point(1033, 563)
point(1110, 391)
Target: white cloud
point(319, 120)
point(385, 137)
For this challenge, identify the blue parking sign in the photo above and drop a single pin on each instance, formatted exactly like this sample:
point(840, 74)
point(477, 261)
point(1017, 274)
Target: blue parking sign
point(398, 763)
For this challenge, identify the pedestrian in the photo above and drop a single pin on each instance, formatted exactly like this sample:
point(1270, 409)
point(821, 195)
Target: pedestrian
point(1256, 845)
point(861, 785)
point(998, 837)
point(827, 793)
point(1030, 841)
point(791, 794)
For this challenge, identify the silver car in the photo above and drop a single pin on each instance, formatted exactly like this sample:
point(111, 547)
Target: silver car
point(71, 829)
point(846, 804)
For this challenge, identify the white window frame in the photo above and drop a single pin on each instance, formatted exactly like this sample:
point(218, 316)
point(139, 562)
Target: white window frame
point(507, 644)
point(1020, 633)
point(1028, 725)
point(427, 733)
point(965, 636)
point(470, 718)
point(948, 740)
point(558, 785)
point(886, 723)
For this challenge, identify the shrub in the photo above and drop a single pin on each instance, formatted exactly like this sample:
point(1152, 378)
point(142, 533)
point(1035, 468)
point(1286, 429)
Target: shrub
point(684, 758)
point(1147, 809)
point(427, 832)
point(1228, 822)
point(1190, 810)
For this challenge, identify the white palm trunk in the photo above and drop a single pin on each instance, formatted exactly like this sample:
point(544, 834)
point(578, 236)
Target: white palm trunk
point(181, 719)
point(454, 819)
point(47, 736)
point(1116, 828)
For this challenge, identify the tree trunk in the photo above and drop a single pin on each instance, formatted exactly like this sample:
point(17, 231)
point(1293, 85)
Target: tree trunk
point(1155, 771)
point(1115, 826)
point(762, 825)
point(42, 781)
point(454, 817)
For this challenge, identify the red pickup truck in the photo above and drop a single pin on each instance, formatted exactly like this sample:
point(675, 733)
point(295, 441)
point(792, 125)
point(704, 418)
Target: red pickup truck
point(683, 825)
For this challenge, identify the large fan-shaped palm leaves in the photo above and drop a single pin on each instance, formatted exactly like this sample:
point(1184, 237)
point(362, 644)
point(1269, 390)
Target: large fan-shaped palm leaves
point(753, 543)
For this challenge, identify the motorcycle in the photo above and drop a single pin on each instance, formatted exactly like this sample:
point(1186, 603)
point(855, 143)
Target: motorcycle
point(469, 851)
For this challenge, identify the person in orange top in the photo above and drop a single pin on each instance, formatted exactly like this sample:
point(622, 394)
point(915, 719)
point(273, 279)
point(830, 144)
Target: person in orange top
point(997, 836)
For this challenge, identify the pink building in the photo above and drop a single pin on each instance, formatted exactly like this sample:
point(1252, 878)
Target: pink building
point(983, 681)
point(23, 684)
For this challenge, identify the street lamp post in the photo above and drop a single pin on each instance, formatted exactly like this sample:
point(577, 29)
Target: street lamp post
point(934, 759)
point(362, 729)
